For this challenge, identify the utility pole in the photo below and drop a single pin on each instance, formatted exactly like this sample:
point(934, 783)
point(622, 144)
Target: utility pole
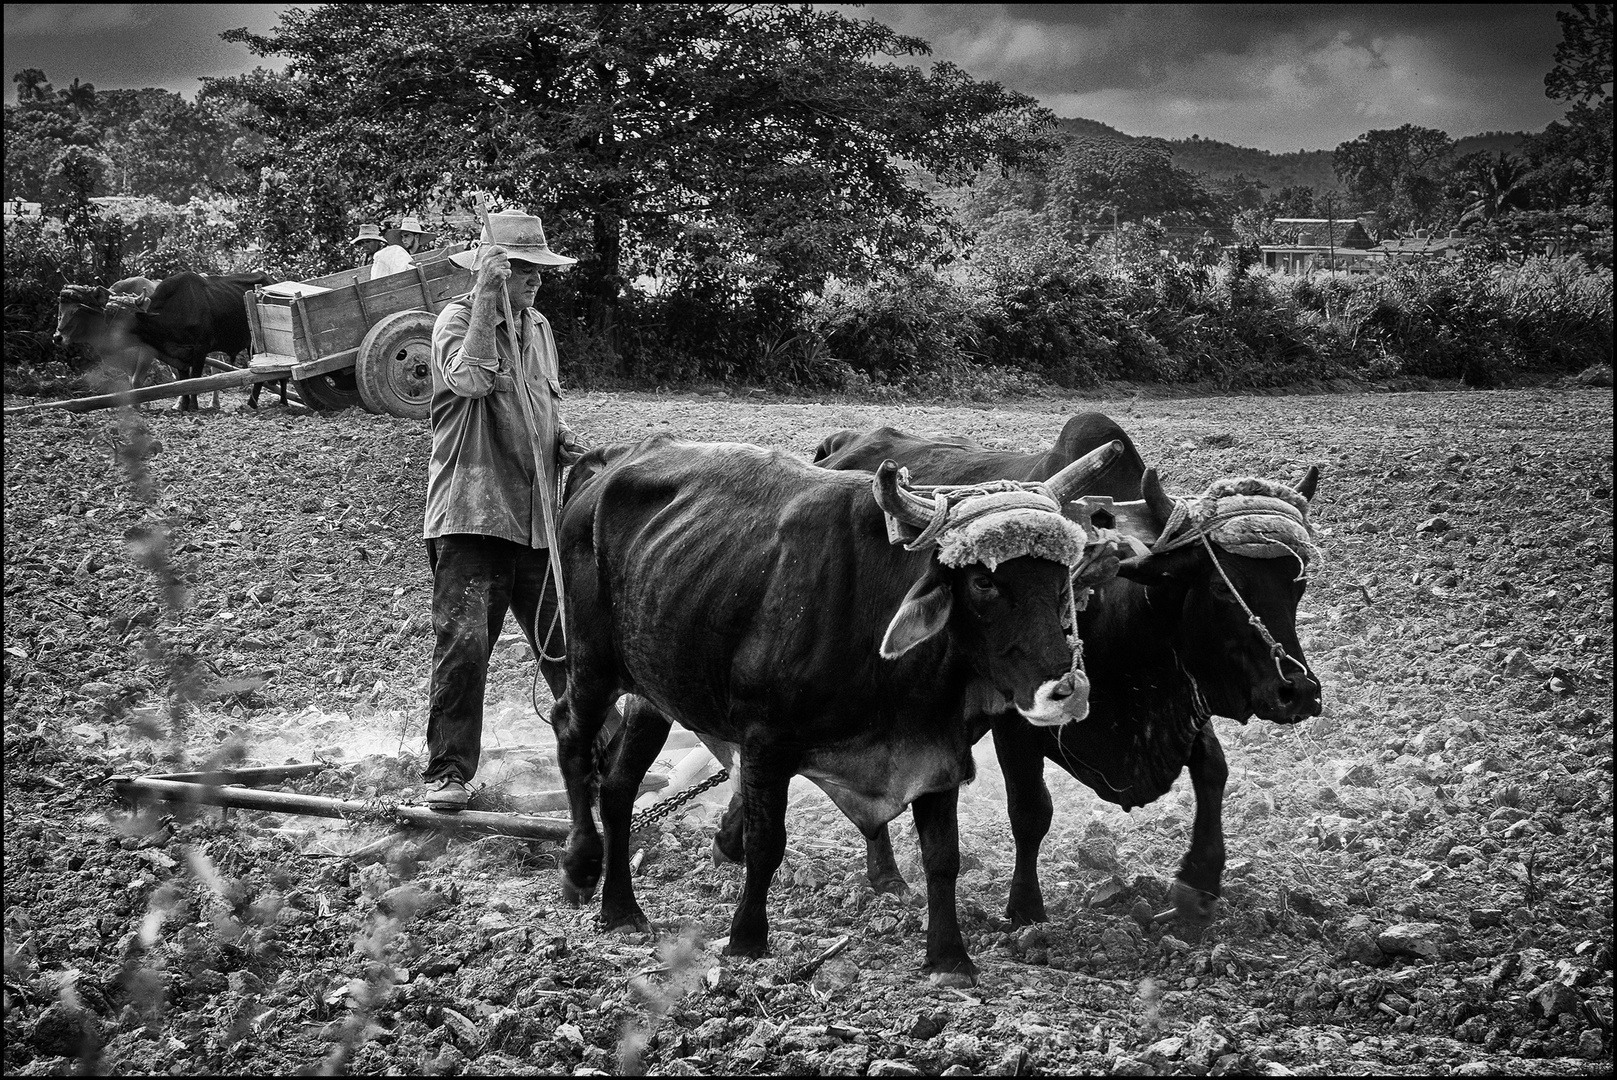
point(1330, 246)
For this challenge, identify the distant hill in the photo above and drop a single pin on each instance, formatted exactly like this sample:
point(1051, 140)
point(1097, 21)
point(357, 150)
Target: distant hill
point(1493, 142)
point(1079, 128)
point(1221, 160)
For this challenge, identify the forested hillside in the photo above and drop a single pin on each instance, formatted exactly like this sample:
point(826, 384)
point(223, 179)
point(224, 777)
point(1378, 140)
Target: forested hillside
point(1302, 168)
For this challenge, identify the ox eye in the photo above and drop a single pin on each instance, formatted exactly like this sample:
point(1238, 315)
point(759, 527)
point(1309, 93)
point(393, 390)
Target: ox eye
point(1223, 592)
point(982, 586)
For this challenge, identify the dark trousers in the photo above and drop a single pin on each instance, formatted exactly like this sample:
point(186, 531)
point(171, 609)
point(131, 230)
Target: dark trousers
point(475, 581)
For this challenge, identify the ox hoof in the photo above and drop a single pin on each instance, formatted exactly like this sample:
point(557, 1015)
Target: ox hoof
point(1192, 905)
point(720, 856)
point(959, 978)
point(631, 920)
point(753, 949)
point(894, 884)
point(574, 894)
point(1021, 916)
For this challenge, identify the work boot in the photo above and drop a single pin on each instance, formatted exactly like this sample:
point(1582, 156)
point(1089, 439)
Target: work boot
point(447, 794)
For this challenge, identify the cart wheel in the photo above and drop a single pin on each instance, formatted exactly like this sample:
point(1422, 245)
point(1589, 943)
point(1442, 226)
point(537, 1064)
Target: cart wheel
point(394, 368)
point(329, 392)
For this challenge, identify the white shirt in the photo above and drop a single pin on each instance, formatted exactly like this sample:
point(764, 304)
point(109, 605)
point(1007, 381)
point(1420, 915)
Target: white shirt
point(392, 259)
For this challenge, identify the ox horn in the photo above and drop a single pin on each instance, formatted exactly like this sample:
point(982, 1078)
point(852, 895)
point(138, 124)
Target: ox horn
point(1155, 498)
point(901, 503)
point(1306, 488)
point(1072, 481)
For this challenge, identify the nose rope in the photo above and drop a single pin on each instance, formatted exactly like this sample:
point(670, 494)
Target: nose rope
point(1077, 642)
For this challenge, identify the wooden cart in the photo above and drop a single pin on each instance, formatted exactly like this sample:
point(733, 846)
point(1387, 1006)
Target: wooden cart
point(349, 339)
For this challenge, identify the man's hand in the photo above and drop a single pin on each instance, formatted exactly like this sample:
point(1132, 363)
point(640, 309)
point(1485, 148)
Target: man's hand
point(493, 268)
point(568, 448)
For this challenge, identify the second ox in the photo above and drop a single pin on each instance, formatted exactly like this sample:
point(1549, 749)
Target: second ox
point(186, 317)
point(834, 625)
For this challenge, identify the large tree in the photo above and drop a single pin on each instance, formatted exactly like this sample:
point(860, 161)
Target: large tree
point(1099, 182)
point(1399, 173)
point(764, 144)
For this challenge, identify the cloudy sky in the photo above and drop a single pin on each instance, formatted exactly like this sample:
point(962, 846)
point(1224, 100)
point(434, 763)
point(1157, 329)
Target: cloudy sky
point(1279, 77)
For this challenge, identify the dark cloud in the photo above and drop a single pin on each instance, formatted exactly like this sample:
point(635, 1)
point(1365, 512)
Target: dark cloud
point(1278, 77)
point(1274, 76)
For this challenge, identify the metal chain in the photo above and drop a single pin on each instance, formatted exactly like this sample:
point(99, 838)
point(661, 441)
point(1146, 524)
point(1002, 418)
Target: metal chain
point(652, 815)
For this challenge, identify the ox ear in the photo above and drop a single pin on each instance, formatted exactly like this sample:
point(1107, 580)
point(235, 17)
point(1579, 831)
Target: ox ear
point(1310, 482)
point(923, 614)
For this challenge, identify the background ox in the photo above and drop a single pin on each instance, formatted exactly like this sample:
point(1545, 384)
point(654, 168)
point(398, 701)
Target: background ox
point(186, 317)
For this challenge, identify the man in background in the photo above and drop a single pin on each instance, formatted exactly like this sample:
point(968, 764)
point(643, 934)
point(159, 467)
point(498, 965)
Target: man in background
point(397, 258)
point(369, 241)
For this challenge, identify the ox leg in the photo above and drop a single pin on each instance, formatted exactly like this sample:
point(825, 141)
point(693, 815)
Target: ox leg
point(763, 786)
point(644, 733)
point(1019, 747)
point(577, 720)
point(938, 826)
point(1196, 890)
point(881, 867)
point(729, 839)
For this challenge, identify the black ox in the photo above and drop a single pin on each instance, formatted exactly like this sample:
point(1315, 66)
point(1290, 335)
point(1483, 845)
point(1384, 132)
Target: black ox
point(757, 600)
point(187, 317)
point(1167, 646)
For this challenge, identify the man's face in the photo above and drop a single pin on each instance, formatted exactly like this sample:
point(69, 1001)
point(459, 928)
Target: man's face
point(523, 284)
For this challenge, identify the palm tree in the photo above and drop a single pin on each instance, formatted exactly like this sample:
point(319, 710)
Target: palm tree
point(31, 85)
point(1495, 187)
point(79, 96)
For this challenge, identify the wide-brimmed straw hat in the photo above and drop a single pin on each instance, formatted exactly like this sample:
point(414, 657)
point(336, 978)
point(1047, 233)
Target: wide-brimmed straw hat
point(369, 232)
point(411, 224)
point(520, 236)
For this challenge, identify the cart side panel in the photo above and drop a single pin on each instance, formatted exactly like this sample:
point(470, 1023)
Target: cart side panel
point(329, 322)
point(275, 327)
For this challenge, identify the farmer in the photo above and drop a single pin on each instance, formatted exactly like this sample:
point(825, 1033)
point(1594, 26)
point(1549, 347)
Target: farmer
point(396, 258)
point(369, 241)
point(498, 445)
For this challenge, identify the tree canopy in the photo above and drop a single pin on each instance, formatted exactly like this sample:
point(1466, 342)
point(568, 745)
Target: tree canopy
point(761, 146)
point(1582, 68)
point(1401, 172)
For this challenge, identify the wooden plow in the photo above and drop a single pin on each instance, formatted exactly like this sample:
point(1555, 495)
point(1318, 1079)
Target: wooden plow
point(224, 380)
point(241, 789)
